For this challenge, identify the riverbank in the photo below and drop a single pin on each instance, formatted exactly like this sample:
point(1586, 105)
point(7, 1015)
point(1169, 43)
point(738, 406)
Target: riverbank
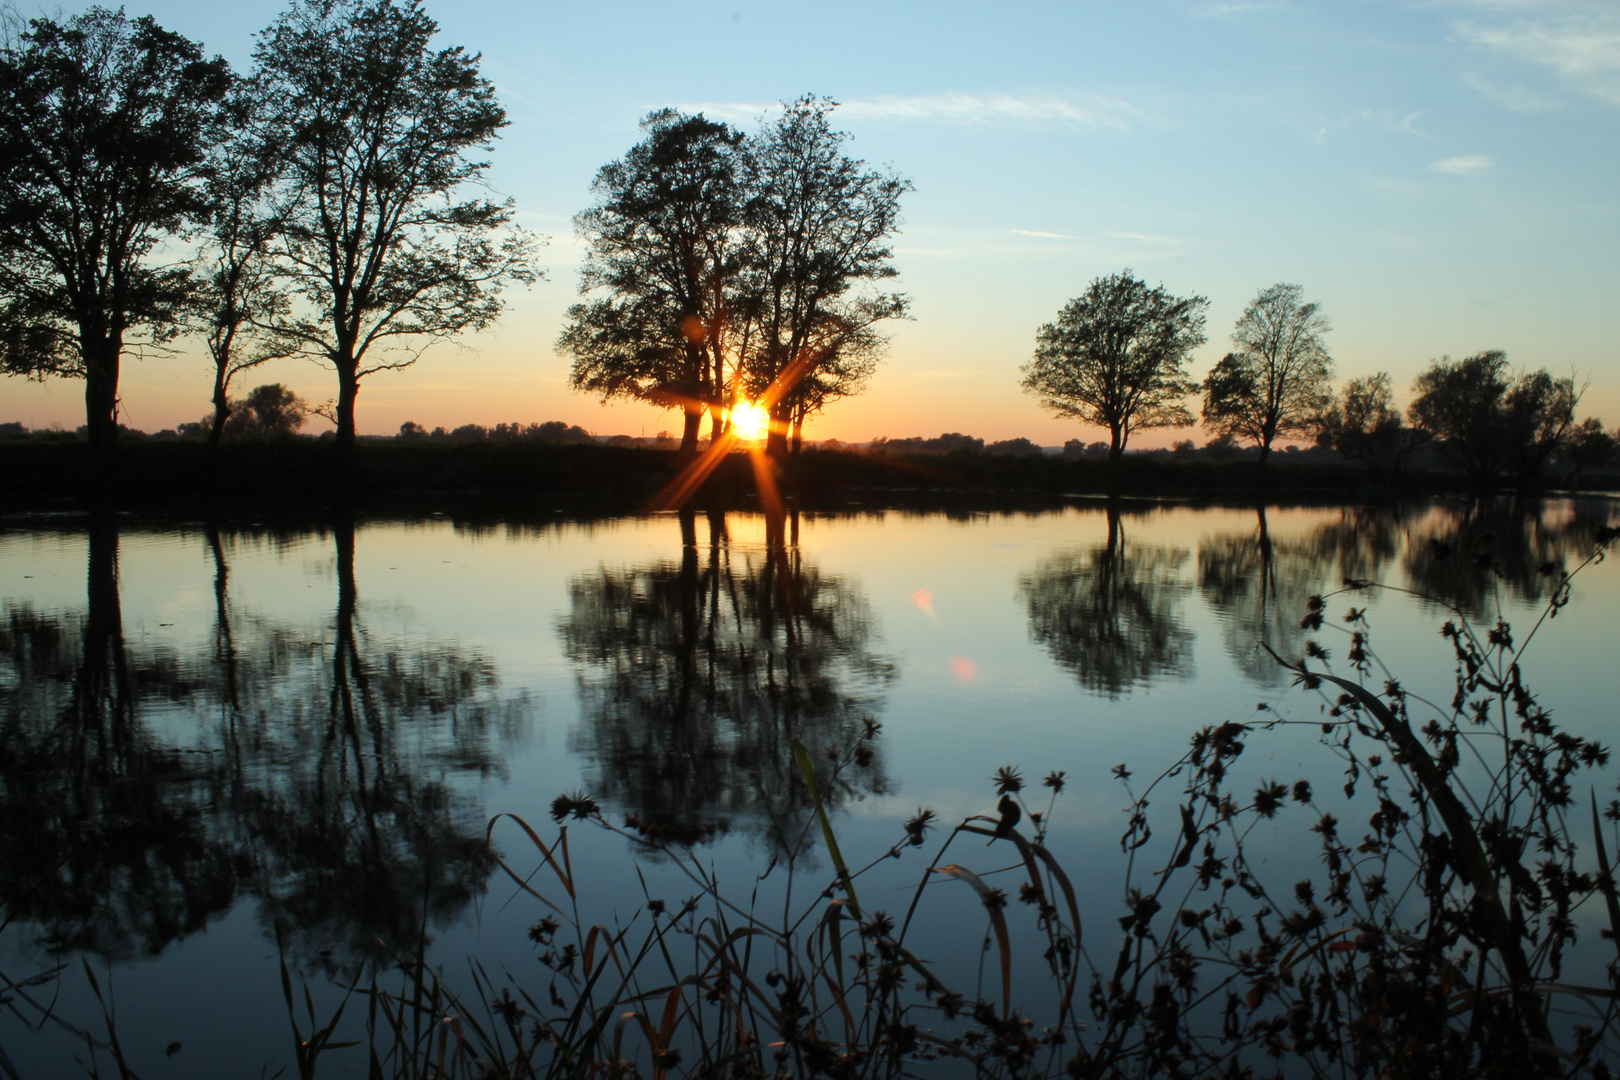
point(153, 471)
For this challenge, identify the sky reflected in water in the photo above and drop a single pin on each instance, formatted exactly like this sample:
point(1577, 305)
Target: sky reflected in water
point(208, 730)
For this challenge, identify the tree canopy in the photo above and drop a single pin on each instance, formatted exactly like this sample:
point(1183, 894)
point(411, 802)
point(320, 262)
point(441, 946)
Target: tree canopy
point(1490, 424)
point(103, 125)
point(726, 266)
point(1276, 379)
point(1116, 357)
point(1363, 423)
point(381, 135)
point(664, 257)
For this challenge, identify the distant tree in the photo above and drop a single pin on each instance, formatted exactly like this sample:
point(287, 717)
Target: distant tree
point(1013, 446)
point(944, 444)
point(1540, 413)
point(664, 260)
point(268, 411)
point(1116, 358)
point(382, 137)
point(1589, 447)
point(1362, 423)
point(410, 429)
point(558, 432)
point(103, 125)
point(818, 230)
point(1489, 425)
point(238, 290)
point(1275, 381)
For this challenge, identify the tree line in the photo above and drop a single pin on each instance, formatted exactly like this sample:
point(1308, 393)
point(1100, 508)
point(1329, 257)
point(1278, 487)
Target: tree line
point(331, 203)
point(1116, 357)
point(324, 194)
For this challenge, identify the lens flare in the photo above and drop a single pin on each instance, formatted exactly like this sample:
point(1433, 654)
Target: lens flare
point(925, 601)
point(750, 421)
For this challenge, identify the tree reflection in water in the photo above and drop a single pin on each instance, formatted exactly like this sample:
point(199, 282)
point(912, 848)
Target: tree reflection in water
point(1469, 557)
point(1112, 614)
point(1261, 587)
point(317, 771)
point(694, 677)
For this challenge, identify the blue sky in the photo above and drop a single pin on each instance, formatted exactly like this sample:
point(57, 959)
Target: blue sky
point(1441, 177)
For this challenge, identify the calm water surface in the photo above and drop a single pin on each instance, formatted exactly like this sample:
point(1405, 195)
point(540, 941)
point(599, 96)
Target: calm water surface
point(211, 730)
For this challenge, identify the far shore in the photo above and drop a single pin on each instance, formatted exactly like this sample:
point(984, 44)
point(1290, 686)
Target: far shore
point(246, 473)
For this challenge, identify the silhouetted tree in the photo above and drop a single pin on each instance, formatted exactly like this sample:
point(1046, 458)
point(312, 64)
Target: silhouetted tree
point(381, 136)
point(238, 292)
point(104, 122)
point(1275, 381)
point(1489, 425)
point(1110, 614)
point(818, 231)
point(1362, 423)
point(664, 254)
point(1116, 358)
point(696, 675)
point(1588, 447)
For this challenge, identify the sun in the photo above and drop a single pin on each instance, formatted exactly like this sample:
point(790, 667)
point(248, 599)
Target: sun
point(750, 421)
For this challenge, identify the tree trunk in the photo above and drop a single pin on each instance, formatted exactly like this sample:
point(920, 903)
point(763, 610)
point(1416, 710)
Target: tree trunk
point(348, 390)
point(101, 353)
point(1265, 452)
point(689, 432)
point(776, 443)
point(222, 412)
point(798, 435)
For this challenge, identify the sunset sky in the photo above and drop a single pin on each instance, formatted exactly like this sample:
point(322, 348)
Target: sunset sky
point(1442, 177)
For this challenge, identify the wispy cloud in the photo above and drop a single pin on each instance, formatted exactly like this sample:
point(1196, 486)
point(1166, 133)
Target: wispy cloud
point(954, 107)
point(1578, 40)
point(1142, 238)
point(1092, 110)
point(1515, 97)
point(1462, 165)
point(1044, 235)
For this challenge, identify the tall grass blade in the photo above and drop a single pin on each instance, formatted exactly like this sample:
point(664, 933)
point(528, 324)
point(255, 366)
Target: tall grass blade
point(993, 900)
point(1606, 881)
point(809, 770)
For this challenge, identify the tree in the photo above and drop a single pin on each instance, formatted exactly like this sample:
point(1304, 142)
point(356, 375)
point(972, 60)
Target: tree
point(103, 124)
point(270, 411)
point(1588, 447)
point(663, 249)
point(239, 292)
point(1363, 423)
point(1275, 382)
point(1116, 358)
point(819, 225)
point(1488, 424)
point(380, 134)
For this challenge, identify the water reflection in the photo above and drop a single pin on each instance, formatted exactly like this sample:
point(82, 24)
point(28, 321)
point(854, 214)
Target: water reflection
point(1112, 615)
point(694, 675)
point(1261, 586)
point(316, 769)
point(1471, 556)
